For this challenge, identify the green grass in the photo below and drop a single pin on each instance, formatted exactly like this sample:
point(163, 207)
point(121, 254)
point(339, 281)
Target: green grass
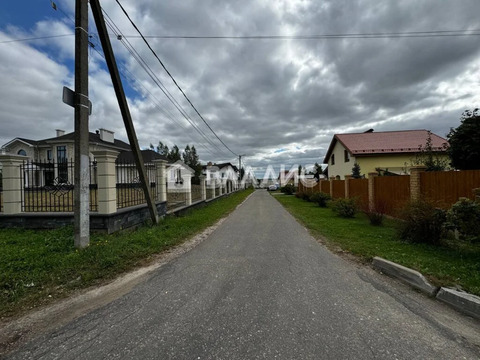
point(37, 267)
point(454, 263)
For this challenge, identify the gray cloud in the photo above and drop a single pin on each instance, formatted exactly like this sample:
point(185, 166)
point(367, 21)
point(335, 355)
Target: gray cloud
point(260, 96)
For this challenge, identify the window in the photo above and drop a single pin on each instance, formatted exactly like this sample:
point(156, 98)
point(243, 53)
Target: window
point(49, 154)
point(22, 152)
point(333, 159)
point(62, 164)
point(346, 155)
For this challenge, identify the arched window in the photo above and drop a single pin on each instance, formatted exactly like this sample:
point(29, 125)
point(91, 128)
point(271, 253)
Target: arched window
point(22, 152)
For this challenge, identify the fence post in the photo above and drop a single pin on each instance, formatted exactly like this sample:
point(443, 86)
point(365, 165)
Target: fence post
point(331, 186)
point(415, 185)
point(347, 186)
point(187, 181)
point(12, 183)
point(371, 190)
point(203, 188)
point(160, 179)
point(107, 180)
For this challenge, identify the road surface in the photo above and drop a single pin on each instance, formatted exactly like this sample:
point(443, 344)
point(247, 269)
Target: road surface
point(260, 287)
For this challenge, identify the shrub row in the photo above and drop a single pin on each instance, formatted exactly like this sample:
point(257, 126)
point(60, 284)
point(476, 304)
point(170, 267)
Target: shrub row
point(421, 221)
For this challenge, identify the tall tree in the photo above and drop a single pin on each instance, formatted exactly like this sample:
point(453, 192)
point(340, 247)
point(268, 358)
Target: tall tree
point(161, 148)
point(464, 141)
point(433, 159)
point(356, 171)
point(174, 154)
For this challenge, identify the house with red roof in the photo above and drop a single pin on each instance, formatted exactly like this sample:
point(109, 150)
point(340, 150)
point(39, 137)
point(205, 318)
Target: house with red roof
point(394, 151)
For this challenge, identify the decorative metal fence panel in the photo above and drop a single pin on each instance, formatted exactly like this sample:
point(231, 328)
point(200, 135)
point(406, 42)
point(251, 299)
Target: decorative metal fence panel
point(1, 199)
point(48, 186)
point(129, 187)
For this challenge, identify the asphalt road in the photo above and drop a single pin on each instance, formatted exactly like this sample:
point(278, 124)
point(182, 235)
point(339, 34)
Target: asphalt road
point(260, 287)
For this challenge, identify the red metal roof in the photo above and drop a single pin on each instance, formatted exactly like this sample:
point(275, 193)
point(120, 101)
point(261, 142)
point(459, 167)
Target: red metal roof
point(387, 142)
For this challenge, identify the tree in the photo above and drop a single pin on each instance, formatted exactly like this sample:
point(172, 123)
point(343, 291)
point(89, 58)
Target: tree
point(431, 158)
point(191, 159)
point(317, 171)
point(464, 150)
point(174, 154)
point(356, 171)
point(161, 148)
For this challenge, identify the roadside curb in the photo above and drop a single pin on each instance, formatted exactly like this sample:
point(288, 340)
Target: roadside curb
point(411, 277)
point(464, 302)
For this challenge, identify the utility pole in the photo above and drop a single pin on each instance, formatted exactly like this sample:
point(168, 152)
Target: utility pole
point(82, 160)
point(122, 102)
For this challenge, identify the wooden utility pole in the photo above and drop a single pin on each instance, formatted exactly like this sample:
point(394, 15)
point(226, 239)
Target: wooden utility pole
point(122, 102)
point(82, 161)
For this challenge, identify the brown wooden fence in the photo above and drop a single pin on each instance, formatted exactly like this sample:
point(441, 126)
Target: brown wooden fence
point(338, 189)
point(446, 187)
point(391, 192)
point(325, 187)
point(358, 188)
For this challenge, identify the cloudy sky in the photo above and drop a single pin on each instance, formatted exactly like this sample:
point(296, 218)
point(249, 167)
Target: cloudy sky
point(272, 87)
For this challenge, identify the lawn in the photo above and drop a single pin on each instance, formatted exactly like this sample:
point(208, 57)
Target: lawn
point(37, 267)
point(454, 263)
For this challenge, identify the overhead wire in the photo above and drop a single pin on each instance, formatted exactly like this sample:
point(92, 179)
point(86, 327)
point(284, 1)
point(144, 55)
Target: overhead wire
point(173, 79)
point(157, 103)
point(156, 80)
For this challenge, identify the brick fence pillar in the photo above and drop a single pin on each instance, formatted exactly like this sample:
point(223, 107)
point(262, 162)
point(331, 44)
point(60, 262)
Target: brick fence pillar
point(161, 180)
point(187, 181)
point(347, 186)
point(107, 180)
point(12, 183)
point(203, 187)
point(371, 190)
point(415, 185)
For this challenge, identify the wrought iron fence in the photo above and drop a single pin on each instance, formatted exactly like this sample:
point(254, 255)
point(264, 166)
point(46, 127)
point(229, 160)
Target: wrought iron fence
point(129, 187)
point(48, 186)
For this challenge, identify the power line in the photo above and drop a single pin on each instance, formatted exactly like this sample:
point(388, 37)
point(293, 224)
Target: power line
point(155, 79)
point(173, 79)
point(35, 38)
point(410, 34)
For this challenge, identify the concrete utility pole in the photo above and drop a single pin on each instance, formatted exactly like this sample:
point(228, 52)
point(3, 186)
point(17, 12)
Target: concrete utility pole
point(122, 102)
point(82, 161)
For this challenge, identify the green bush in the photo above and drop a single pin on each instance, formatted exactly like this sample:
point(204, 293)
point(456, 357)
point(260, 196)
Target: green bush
point(464, 216)
point(288, 189)
point(320, 198)
point(345, 208)
point(377, 214)
point(423, 223)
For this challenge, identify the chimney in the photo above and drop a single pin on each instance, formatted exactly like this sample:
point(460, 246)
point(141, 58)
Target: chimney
point(107, 135)
point(60, 132)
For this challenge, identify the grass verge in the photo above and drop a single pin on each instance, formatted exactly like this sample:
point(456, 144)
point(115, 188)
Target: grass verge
point(37, 267)
point(454, 263)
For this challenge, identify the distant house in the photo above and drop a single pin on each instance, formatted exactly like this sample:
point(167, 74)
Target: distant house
point(61, 147)
point(388, 150)
point(59, 150)
point(220, 172)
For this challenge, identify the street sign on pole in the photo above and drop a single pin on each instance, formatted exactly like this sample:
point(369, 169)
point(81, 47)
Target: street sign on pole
point(69, 99)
